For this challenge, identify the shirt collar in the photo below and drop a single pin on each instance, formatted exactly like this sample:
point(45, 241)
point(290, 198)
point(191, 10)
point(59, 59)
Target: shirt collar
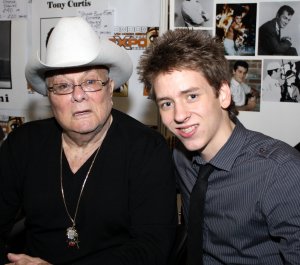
point(234, 82)
point(277, 27)
point(227, 155)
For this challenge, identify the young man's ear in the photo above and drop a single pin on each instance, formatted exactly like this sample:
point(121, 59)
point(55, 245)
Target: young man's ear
point(225, 95)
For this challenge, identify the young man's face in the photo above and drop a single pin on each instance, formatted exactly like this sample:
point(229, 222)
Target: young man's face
point(190, 109)
point(284, 19)
point(238, 19)
point(240, 74)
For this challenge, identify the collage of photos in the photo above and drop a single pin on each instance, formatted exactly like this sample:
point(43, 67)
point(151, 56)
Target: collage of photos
point(261, 42)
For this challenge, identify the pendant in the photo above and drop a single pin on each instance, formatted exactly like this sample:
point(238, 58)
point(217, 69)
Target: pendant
point(72, 237)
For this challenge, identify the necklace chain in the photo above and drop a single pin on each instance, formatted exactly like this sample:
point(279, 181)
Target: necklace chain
point(82, 187)
point(72, 234)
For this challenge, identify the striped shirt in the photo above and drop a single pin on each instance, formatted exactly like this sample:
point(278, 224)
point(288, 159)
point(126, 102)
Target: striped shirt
point(252, 208)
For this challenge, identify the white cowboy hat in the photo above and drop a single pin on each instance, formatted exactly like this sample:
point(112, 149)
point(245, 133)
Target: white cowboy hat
point(73, 43)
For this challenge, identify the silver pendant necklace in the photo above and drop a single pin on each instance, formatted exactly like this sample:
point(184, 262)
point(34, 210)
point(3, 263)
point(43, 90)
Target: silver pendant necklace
point(71, 233)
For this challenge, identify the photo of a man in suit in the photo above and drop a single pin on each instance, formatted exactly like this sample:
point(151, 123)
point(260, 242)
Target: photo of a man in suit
point(270, 41)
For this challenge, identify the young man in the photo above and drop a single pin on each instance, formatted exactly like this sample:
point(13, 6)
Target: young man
point(252, 206)
point(270, 41)
point(243, 95)
point(235, 31)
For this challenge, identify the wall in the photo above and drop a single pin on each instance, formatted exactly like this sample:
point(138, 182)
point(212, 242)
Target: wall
point(27, 37)
point(277, 119)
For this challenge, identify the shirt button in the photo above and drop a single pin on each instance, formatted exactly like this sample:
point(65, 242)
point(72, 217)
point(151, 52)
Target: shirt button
point(262, 150)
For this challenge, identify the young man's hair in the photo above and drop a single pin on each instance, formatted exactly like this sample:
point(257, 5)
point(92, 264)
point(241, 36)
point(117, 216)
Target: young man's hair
point(240, 63)
point(286, 8)
point(186, 49)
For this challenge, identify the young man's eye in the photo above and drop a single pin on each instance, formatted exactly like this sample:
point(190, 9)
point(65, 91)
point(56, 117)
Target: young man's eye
point(192, 96)
point(165, 105)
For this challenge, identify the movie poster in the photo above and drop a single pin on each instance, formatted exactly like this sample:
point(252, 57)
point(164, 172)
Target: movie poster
point(132, 26)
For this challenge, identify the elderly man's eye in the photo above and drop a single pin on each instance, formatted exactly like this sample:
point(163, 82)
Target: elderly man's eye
point(62, 86)
point(91, 82)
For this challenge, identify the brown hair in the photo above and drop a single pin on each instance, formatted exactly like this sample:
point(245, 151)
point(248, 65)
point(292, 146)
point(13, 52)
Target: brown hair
point(186, 49)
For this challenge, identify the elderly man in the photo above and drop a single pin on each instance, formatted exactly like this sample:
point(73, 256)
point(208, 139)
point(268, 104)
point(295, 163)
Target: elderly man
point(95, 185)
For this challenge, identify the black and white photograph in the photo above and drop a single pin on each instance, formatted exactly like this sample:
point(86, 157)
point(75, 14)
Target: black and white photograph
point(192, 13)
point(236, 27)
point(5, 71)
point(278, 32)
point(281, 81)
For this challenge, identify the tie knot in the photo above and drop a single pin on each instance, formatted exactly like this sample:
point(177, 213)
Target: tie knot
point(205, 171)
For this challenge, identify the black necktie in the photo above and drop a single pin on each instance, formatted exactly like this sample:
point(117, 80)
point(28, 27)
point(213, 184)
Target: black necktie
point(195, 224)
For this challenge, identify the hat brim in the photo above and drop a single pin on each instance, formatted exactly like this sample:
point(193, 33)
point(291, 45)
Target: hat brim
point(110, 55)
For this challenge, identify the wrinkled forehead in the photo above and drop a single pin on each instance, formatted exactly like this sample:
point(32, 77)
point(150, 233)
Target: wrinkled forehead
point(52, 73)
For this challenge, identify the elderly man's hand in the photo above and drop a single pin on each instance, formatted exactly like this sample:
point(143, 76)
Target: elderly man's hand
point(22, 259)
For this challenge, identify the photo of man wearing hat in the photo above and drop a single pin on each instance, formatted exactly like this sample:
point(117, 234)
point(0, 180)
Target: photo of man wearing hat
point(95, 186)
point(289, 91)
point(271, 90)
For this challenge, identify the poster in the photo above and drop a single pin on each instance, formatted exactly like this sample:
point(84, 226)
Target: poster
point(11, 9)
point(130, 28)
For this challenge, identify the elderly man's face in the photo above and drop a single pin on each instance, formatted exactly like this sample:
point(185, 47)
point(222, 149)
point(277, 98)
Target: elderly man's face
point(81, 112)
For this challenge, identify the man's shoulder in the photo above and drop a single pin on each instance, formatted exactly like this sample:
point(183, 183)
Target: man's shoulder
point(34, 134)
point(235, 86)
point(271, 24)
point(233, 82)
point(131, 128)
point(127, 121)
point(270, 148)
point(37, 127)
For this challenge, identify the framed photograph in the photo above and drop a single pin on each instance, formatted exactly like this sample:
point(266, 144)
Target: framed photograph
point(245, 84)
point(5, 55)
point(191, 14)
point(281, 80)
point(278, 28)
point(236, 28)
